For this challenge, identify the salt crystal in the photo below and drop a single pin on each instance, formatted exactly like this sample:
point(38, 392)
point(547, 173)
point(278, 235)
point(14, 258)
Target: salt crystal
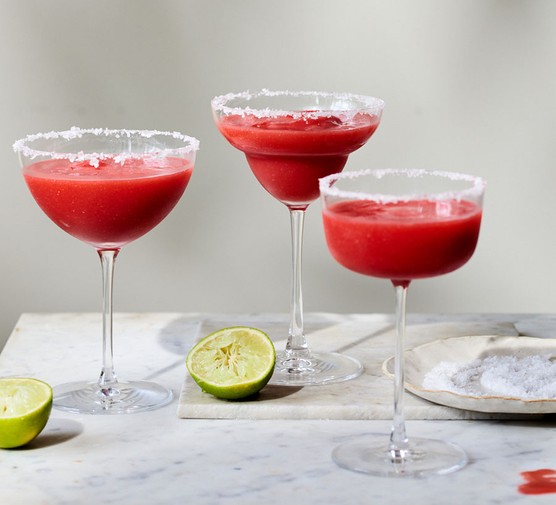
point(343, 102)
point(329, 188)
point(24, 145)
point(530, 377)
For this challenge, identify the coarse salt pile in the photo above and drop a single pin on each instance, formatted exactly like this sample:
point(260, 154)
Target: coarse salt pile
point(529, 377)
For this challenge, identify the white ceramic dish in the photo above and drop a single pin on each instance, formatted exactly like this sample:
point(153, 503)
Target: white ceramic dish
point(422, 359)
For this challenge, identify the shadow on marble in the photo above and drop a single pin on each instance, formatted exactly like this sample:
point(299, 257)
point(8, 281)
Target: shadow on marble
point(276, 391)
point(532, 421)
point(539, 326)
point(177, 337)
point(276, 326)
point(180, 334)
point(57, 431)
point(365, 338)
point(161, 371)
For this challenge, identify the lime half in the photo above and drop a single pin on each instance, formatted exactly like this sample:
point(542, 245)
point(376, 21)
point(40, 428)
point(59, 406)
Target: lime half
point(232, 363)
point(25, 406)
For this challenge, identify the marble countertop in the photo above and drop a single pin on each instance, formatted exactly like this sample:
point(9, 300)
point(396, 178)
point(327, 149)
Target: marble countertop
point(158, 458)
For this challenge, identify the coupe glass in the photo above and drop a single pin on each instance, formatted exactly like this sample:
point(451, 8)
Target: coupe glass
point(107, 188)
point(291, 139)
point(401, 225)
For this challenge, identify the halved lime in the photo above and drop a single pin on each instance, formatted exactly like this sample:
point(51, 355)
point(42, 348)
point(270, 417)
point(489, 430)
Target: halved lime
point(25, 406)
point(232, 363)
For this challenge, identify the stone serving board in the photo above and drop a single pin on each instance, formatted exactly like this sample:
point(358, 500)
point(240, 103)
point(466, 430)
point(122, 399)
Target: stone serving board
point(370, 396)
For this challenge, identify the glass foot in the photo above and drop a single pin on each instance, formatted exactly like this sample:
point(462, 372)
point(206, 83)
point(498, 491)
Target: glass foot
point(371, 455)
point(316, 369)
point(126, 398)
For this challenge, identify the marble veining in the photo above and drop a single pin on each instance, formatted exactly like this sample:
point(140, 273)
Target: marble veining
point(158, 458)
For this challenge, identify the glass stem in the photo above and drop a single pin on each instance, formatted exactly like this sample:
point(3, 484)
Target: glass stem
point(107, 381)
point(296, 346)
point(399, 445)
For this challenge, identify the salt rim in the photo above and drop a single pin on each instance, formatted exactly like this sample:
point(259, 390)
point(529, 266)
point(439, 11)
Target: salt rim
point(370, 103)
point(327, 188)
point(20, 146)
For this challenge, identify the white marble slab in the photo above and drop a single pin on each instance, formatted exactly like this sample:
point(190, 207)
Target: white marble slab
point(369, 338)
point(158, 458)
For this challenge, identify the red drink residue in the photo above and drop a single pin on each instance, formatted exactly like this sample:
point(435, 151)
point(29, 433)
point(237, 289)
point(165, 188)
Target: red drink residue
point(541, 481)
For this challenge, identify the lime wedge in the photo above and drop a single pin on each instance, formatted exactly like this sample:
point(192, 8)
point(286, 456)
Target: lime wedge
point(25, 406)
point(232, 363)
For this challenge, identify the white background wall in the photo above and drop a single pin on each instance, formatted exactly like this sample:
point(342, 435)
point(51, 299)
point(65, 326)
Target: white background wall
point(470, 85)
